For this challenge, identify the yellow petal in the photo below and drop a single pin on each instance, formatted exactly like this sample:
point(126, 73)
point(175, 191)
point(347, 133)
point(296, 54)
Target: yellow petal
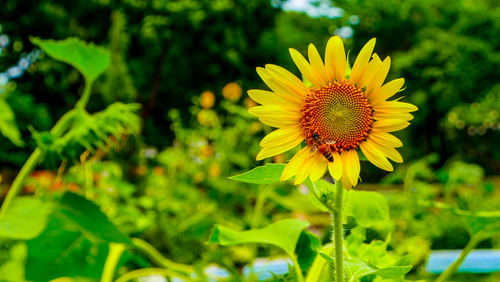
point(362, 61)
point(335, 167)
point(316, 63)
point(264, 97)
point(295, 163)
point(353, 167)
point(370, 71)
point(282, 135)
point(267, 152)
point(278, 87)
point(390, 125)
point(275, 112)
point(318, 168)
point(385, 139)
point(395, 107)
point(277, 122)
point(278, 71)
point(375, 156)
point(386, 91)
point(346, 179)
point(305, 68)
point(401, 116)
point(393, 154)
point(305, 170)
point(335, 59)
point(378, 77)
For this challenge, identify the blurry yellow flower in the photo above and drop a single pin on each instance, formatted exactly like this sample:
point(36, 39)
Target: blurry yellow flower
point(255, 127)
point(249, 103)
point(207, 117)
point(279, 158)
point(207, 151)
point(207, 99)
point(214, 170)
point(158, 170)
point(232, 91)
point(336, 116)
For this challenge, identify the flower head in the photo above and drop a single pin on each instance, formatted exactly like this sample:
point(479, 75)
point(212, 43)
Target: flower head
point(207, 99)
point(232, 91)
point(338, 116)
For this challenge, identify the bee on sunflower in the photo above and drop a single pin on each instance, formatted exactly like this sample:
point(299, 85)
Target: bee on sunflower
point(336, 117)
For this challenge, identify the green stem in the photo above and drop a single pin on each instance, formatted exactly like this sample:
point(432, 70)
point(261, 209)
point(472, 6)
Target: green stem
point(337, 234)
point(31, 163)
point(84, 99)
point(452, 269)
point(115, 252)
point(155, 256)
point(296, 266)
point(132, 275)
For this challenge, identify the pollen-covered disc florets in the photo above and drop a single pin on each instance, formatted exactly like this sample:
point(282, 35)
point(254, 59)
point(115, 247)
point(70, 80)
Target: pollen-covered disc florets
point(336, 117)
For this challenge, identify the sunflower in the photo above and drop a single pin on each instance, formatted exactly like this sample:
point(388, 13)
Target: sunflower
point(337, 116)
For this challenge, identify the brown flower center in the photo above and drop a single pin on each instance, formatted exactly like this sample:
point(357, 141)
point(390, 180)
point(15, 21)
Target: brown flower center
point(336, 117)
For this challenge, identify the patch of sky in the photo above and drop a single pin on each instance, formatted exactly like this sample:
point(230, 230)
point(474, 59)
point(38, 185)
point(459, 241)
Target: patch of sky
point(22, 65)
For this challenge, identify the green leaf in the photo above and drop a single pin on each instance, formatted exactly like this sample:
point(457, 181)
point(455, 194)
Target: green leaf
point(25, 219)
point(13, 269)
point(320, 270)
point(92, 131)
point(368, 208)
point(89, 59)
point(392, 272)
point(283, 234)
point(75, 240)
point(267, 174)
point(8, 126)
point(307, 249)
point(486, 224)
point(358, 268)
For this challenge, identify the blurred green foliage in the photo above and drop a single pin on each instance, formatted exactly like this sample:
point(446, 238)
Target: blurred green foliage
point(170, 186)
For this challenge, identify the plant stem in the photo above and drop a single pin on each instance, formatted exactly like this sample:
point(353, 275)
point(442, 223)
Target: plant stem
point(155, 255)
point(337, 234)
point(296, 266)
point(115, 252)
point(31, 163)
point(84, 99)
point(452, 269)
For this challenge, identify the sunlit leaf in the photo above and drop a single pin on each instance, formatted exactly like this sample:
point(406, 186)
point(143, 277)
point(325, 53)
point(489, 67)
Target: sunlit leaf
point(358, 268)
point(75, 240)
point(283, 234)
point(89, 59)
point(267, 174)
point(368, 208)
point(8, 126)
point(320, 269)
point(25, 219)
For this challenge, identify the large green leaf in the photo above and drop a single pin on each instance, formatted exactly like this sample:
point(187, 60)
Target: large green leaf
point(368, 208)
point(25, 220)
point(8, 126)
point(74, 243)
point(89, 59)
point(267, 174)
point(283, 234)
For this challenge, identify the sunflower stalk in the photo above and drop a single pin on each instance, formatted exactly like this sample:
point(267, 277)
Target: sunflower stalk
point(337, 234)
